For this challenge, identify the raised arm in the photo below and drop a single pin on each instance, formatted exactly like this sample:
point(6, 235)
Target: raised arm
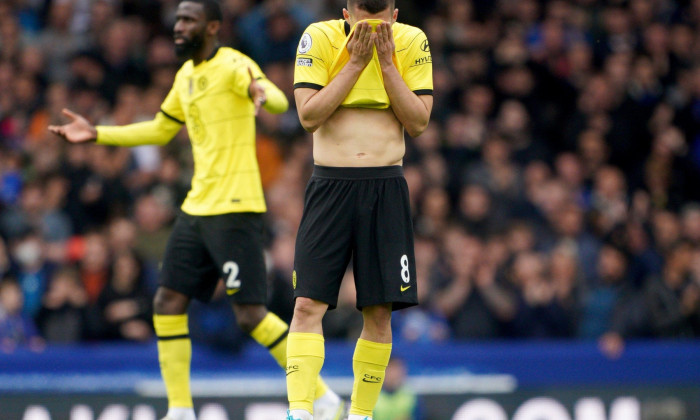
point(412, 110)
point(158, 131)
point(267, 95)
point(316, 106)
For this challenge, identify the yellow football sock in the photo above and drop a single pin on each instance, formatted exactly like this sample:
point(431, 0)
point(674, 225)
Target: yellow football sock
point(305, 354)
point(174, 354)
point(272, 332)
point(369, 365)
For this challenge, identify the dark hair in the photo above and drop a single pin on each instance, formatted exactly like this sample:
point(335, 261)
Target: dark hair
point(212, 10)
point(371, 6)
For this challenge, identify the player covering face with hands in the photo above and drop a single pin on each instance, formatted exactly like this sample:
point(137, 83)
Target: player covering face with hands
point(360, 83)
point(216, 93)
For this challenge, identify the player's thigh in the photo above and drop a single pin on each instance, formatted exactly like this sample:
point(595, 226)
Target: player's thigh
point(187, 266)
point(235, 243)
point(384, 261)
point(324, 240)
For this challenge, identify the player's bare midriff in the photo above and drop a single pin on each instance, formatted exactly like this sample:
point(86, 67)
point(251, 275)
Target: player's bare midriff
point(357, 137)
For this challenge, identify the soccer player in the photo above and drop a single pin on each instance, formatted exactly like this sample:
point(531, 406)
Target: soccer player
point(359, 82)
point(218, 234)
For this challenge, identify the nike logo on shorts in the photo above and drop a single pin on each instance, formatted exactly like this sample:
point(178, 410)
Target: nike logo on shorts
point(404, 288)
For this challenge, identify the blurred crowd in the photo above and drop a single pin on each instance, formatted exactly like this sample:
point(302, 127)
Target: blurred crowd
point(556, 191)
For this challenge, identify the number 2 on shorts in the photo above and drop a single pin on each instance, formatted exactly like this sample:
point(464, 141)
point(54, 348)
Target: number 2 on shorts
point(232, 280)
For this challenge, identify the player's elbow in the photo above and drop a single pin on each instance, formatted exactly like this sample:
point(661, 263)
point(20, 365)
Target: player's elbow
point(276, 109)
point(311, 128)
point(309, 124)
point(416, 128)
point(278, 105)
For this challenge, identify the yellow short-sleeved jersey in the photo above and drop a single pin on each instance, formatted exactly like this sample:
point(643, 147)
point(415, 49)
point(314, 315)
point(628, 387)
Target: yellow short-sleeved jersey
point(212, 100)
point(322, 54)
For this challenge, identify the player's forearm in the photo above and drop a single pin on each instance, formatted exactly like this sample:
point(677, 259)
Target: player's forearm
point(158, 131)
point(277, 102)
point(411, 111)
point(326, 101)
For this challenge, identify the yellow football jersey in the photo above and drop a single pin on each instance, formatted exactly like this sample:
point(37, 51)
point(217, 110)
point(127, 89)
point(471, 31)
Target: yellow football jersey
point(322, 53)
point(212, 100)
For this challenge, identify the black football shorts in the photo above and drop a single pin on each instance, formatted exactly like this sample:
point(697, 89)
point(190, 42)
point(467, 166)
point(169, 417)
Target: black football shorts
point(203, 249)
point(361, 214)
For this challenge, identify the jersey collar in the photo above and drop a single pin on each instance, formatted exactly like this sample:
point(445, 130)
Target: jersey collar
point(205, 62)
point(213, 53)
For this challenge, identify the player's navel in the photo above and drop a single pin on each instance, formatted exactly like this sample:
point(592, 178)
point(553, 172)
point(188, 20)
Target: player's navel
point(361, 155)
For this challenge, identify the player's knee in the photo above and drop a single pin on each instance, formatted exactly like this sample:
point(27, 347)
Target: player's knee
point(249, 316)
point(309, 309)
point(169, 302)
point(247, 323)
point(378, 318)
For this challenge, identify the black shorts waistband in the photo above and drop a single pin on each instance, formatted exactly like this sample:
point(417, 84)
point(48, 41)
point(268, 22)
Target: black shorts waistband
point(368, 172)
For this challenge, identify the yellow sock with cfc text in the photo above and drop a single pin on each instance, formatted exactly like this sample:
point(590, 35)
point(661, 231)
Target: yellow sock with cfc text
point(369, 365)
point(305, 355)
point(271, 333)
point(174, 354)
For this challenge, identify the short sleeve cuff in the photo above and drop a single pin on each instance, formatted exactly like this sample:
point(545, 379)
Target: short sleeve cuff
point(170, 117)
point(308, 86)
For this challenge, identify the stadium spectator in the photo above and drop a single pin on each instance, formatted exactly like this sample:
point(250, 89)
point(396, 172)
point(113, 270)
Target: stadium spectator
point(541, 311)
point(609, 297)
point(63, 317)
point(674, 298)
point(152, 218)
point(468, 295)
point(94, 264)
point(125, 302)
point(271, 31)
point(17, 329)
point(31, 269)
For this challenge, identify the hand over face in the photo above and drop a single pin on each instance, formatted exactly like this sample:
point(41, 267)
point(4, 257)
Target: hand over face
point(385, 44)
point(361, 45)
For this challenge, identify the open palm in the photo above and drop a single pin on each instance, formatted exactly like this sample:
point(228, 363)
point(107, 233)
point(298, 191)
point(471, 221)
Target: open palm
point(78, 130)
